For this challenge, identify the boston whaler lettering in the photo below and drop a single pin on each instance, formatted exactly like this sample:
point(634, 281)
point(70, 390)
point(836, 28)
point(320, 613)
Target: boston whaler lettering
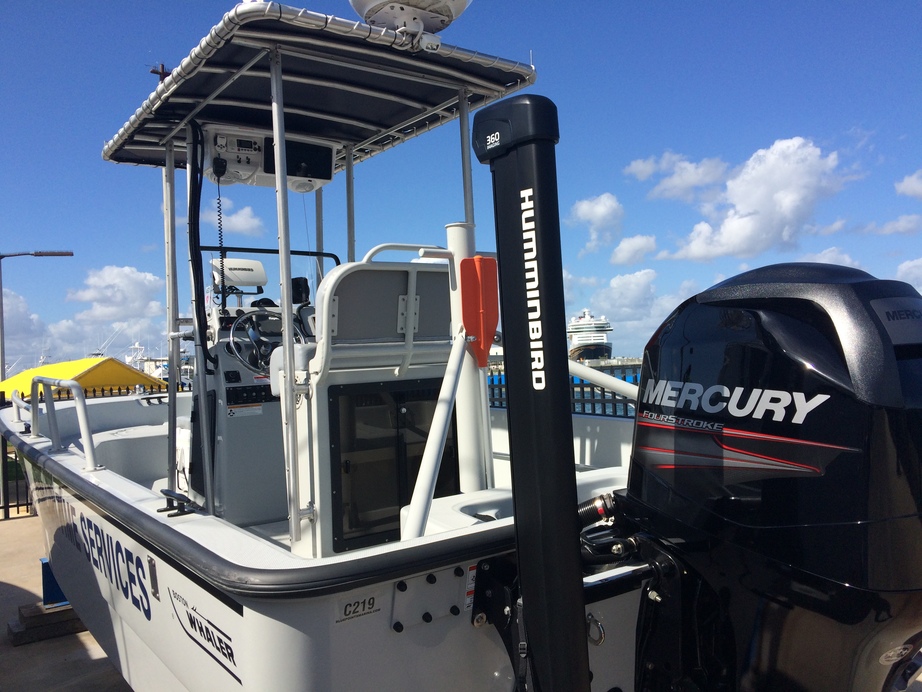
point(334, 506)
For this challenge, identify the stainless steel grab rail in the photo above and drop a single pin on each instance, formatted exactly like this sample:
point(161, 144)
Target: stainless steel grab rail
point(89, 449)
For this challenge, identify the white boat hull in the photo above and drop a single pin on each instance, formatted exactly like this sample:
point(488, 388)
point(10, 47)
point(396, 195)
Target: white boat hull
point(166, 627)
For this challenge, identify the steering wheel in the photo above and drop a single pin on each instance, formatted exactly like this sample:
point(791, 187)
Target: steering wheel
point(263, 330)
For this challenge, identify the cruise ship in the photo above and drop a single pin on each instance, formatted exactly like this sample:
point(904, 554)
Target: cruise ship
point(588, 340)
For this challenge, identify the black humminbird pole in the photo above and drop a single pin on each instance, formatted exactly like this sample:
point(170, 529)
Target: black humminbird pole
point(517, 137)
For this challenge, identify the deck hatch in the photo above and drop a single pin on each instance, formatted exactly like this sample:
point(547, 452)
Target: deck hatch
point(378, 433)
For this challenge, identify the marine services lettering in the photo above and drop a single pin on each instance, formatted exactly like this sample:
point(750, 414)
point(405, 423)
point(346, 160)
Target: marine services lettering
point(117, 563)
point(532, 289)
point(740, 402)
point(104, 551)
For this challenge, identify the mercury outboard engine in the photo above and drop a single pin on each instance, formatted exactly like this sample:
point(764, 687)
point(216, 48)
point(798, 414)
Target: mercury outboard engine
point(776, 484)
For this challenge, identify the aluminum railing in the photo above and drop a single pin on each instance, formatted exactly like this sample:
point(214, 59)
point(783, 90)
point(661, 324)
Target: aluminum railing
point(83, 423)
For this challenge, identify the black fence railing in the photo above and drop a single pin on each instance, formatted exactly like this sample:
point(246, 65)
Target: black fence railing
point(14, 488)
point(97, 392)
point(585, 398)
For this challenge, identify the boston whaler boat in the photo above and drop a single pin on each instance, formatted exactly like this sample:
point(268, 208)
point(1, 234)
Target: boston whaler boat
point(331, 507)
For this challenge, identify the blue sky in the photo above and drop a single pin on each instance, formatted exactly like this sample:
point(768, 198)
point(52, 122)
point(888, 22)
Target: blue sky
point(697, 140)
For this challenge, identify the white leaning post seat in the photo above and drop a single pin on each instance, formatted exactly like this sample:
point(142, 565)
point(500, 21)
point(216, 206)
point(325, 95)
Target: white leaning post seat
point(373, 315)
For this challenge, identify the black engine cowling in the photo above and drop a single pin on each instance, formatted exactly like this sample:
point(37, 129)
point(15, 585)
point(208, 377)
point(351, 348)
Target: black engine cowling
point(777, 460)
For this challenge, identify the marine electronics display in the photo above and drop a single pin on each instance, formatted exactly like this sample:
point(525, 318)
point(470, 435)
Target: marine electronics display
point(235, 155)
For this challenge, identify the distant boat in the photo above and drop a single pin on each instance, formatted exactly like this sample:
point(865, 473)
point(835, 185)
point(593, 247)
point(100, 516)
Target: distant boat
point(588, 340)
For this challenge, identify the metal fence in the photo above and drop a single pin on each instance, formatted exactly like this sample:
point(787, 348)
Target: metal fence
point(585, 398)
point(97, 392)
point(14, 488)
point(13, 483)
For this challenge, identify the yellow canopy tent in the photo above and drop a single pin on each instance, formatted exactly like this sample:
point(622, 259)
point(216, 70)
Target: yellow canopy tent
point(91, 373)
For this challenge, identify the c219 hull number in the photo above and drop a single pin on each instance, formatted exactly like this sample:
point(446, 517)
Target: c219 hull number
point(355, 607)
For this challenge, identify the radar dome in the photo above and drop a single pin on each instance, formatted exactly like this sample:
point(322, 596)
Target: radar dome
point(417, 15)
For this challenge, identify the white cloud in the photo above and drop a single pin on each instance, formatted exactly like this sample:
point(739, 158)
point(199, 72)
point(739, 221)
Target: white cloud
point(603, 214)
point(118, 293)
point(831, 255)
point(686, 178)
point(124, 308)
point(828, 229)
point(242, 222)
point(682, 179)
point(77, 339)
point(627, 296)
point(905, 224)
point(573, 284)
point(18, 321)
point(911, 185)
point(766, 203)
point(22, 333)
point(641, 168)
point(633, 249)
point(644, 168)
point(911, 272)
point(631, 303)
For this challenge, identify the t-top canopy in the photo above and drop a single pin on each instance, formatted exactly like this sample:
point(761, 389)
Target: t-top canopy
point(344, 82)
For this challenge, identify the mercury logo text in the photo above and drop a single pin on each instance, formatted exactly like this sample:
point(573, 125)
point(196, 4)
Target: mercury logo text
point(908, 314)
point(739, 402)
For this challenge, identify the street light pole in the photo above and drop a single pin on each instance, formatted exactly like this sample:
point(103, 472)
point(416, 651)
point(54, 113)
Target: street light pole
point(37, 253)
